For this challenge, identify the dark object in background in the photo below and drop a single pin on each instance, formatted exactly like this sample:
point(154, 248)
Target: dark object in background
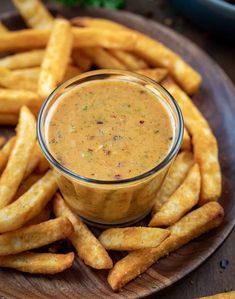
point(214, 16)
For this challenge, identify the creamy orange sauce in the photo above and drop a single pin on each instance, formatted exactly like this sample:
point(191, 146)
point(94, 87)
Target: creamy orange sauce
point(109, 130)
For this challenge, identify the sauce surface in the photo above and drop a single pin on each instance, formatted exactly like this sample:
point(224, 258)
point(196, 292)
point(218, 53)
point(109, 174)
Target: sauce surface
point(109, 130)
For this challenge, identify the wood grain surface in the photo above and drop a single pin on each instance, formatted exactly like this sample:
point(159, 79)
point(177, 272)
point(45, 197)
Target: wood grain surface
point(216, 100)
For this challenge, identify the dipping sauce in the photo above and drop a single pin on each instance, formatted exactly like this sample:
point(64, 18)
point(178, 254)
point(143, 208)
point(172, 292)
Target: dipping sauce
point(109, 129)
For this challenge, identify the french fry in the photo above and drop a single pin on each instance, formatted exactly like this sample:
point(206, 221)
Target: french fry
point(130, 60)
point(11, 80)
point(176, 175)
point(132, 238)
point(23, 60)
point(157, 74)
point(94, 37)
point(2, 140)
point(5, 153)
point(29, 39)
point(42, 166)
point(11, 101)
point(26, 184)
point(71, 72)
point(186, 142)
point(26, 39)
point(89, 249)
point(227, 295)
point(35, 236)
point(31, 73)
point(204, 144)
point(56, 57)
point(35, 158)
point(19, 157)
point(34, 13)
point(103, 59)
point(44, 215)
point(189, 227)
point(8, 119)
point(28, 205)
point(181, 201)
point(98, 23)
point(153, 52)
point(81, 60)
point(3, 28)
point(38, 263)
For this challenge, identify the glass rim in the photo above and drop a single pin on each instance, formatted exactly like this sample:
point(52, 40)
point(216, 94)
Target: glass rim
point(172, 152)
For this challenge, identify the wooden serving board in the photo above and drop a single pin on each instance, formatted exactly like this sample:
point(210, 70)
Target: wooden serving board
point(216, 100)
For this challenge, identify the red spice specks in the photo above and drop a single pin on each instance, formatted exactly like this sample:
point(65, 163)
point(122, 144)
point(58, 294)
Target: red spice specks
point(118, 176)
point(141, 122)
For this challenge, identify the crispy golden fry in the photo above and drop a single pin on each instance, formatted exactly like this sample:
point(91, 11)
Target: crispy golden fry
point(204, 144)
point(42, 166)
point(23, 60)
point(31, 73)
point(11, 101)
point(30, 204)
point(132, 238)
point(98, 23)
point(130, 60)
point(19, 157)
point(8, 119)
point(3, 28)
point(81, 60)
point(35, 236)
point(5, 153)
point(157, 74)
point(176, 175)
point(28, 39)
point(2, 140)
point(11, 80)
point(38, 263)
point(26, 184)
point(103, 59)
point(94, 37)
point(153, 52)
point(56, 57)
point(35, 158)
point(71, 72)
point(181, 201)
point(44, 215)
point(227, 295)
point(186, 142)
point(189, 227)
point(89, 249)
point(34, 13)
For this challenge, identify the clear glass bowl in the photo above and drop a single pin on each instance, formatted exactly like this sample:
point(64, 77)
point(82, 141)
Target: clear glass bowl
point(120, 202)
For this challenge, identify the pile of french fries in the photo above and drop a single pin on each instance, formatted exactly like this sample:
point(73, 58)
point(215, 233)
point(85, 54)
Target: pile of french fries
point(33, 214)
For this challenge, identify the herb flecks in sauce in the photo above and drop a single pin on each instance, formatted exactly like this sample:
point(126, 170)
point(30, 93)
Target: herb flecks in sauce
point(115, 126)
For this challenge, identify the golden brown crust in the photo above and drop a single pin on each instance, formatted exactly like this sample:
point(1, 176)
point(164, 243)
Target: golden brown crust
point(189, 227)
point(204, 144)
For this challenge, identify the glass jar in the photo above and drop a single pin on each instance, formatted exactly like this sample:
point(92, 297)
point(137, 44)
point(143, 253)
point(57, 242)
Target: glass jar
point(115, 202)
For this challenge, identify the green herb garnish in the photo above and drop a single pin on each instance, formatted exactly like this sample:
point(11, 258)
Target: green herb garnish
point(111, 4)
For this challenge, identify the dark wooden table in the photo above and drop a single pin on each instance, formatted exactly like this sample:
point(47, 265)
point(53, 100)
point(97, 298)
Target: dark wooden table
point(211, 277)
